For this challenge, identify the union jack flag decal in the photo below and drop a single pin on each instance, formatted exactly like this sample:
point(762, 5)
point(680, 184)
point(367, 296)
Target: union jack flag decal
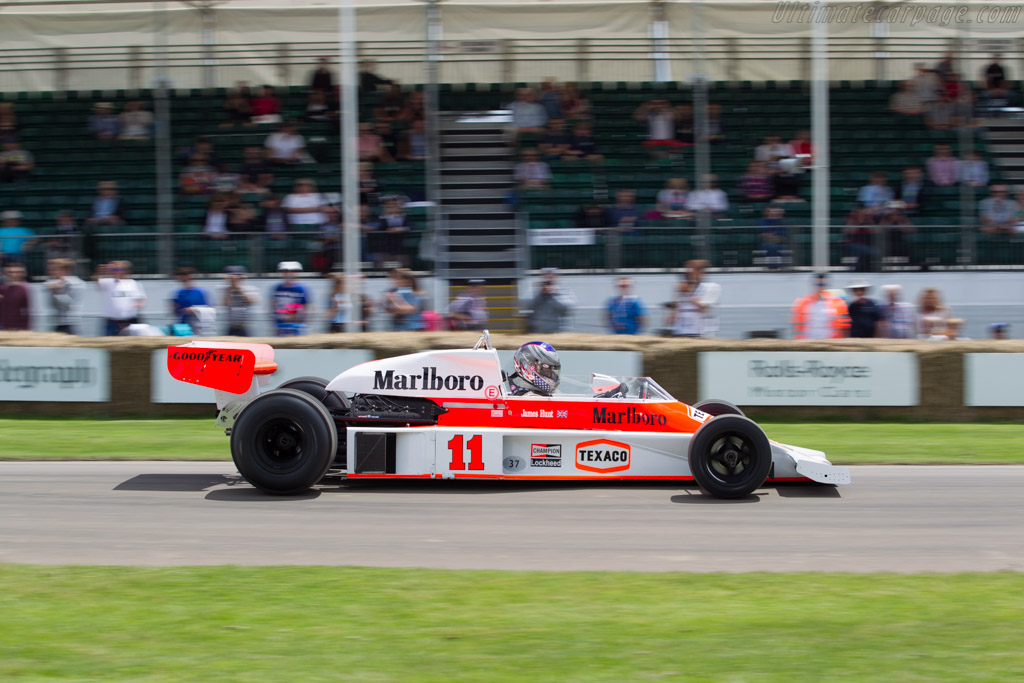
point(561, 413)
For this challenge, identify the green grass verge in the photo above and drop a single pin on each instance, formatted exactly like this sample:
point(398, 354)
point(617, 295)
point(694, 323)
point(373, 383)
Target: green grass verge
point(325, 624)
point(198, 439)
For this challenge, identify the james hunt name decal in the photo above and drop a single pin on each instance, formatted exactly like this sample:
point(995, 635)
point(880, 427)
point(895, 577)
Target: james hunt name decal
point(603, 456)
point(545, 455)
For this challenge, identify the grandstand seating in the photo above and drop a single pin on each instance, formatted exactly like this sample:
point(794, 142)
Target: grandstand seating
point(865, 137)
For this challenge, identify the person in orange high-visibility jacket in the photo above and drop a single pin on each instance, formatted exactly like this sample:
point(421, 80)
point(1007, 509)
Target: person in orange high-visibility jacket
point(820, 314)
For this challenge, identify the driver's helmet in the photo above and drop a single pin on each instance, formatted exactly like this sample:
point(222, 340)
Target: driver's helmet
point(537, 367)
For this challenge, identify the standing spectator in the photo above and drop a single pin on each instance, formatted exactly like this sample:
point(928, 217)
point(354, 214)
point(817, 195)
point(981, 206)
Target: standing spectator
point(188, 302)
point(469, 310)
point(339, 305)
point(704, 296)
point(265, 107)
point(528, 115)
point(624, 214)
point(275, 218)
point(974, 170)
point(943, 167)
point(907, 102)
point(661, 125)
point(994, 73)
point(305, 206)
point(15, 240)
point(322, 80)
point(286, 146)
point(392, 226)
point(671, 201)
point(15, 304)
point(998, 212)
point(999, 331)
point(708, 198)
point(547, 310)
point(624, 313)
point(16, 164)
point(685, 319)
point(136, 123)
point(820, 314)
point(756, 185)
point(289, 301)
point(237, 109)
point(104, 123)
point(108, 208)
point(774, 235)
point(65, 290)
point(931, 313)
point(926, 84)
point(897, 319)
point(404, 302)
point(238, 298)
point(865, 314)
point(371, 145)
point(532, 173)
point(859, 238)
point(369, 82)
point(123, 297)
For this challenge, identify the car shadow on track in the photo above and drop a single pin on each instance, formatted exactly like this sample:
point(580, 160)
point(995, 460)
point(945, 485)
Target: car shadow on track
point(177, 482)
point(248, 494)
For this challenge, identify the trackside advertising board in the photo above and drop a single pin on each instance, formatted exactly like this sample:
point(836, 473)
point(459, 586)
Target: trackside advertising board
point(993, 379)
point(794, 378)
point(66, 375)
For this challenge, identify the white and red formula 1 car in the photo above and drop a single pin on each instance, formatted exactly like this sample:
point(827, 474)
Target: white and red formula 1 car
point(450, 414)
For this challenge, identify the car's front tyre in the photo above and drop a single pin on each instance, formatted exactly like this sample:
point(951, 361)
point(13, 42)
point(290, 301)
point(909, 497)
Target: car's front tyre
point(730, 456)
point(284, 441)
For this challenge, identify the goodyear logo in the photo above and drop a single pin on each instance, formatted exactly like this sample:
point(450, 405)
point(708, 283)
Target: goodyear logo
point(207, 356)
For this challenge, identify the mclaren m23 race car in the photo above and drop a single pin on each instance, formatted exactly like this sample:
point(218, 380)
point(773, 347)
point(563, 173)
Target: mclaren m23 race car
point(452, 415)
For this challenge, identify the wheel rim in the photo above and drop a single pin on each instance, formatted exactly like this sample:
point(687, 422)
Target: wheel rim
point(731, 458)
point(280, 445)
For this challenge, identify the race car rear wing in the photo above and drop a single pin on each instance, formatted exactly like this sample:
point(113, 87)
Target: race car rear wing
point(236, 370)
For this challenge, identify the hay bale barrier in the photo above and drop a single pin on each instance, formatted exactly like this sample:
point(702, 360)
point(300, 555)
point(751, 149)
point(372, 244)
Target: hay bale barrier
point(672, 362)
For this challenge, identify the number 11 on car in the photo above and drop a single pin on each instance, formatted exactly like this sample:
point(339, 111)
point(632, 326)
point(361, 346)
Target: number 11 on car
point(474, 444)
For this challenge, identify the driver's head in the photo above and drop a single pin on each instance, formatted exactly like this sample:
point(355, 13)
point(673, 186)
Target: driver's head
point(538, 367)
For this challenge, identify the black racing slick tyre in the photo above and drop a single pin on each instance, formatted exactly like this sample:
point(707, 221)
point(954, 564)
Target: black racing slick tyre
point(730, 456)
point(283, 442)
point(317, 388)
point(714, 406)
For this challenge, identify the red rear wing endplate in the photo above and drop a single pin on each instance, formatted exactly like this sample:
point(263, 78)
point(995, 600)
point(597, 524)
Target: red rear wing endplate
point(227, 369)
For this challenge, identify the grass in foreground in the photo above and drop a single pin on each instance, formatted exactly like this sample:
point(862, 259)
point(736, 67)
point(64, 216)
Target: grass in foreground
point(319, 623)
point(198, 439)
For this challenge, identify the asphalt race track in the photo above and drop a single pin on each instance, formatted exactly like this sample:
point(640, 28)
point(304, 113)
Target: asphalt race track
point(898, 519)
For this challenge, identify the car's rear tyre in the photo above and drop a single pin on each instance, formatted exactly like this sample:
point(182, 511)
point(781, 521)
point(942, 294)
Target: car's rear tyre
point(730, 456)
point(714, 406)
point(284, 441)
point(317, 388)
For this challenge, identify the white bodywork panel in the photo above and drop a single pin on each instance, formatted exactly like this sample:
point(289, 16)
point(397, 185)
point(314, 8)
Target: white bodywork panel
point(489, 453)
point(430, 374)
